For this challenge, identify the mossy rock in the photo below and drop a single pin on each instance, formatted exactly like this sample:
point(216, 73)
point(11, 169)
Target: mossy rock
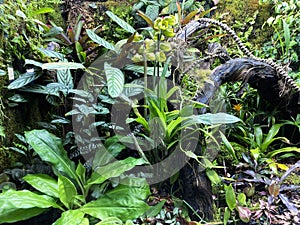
point(241, 12)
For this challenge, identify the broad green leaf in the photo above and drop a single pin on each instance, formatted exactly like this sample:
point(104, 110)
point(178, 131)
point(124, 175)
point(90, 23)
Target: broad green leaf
point(125, 202)
point(213, 176)
point(242, 199)
point(270, 136)
point(115, 80)
point(80, 171)
point(11, 215)
point(228, 145)
point(67, 191)
point(100, 40)
point(150, 70)
point(287, 35)
point(211, 119)
point(258, 135)
point(43, 183)
point(110, 221)
point(120, 22)
point(230, 197)
point(70, 217)
point(50, 149)
point(62, 66)
point(154, 210)
point(43, 11)
point(114, 169)
point(227, 214)
point(23, 80)
point(24, 199)
point(52, 54)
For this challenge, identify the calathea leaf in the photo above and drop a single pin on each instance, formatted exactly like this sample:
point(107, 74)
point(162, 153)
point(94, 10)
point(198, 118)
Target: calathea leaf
point(23, 80)
point(100, 40)
point(62, 66)
point(115, 80)
point(120, 22)
point(65, 77)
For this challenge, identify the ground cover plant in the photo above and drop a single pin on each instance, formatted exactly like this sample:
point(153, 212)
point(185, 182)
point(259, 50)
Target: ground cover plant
point(134, 127)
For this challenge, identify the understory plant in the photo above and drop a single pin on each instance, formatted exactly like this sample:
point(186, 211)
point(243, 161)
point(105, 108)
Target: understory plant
point(75, 192)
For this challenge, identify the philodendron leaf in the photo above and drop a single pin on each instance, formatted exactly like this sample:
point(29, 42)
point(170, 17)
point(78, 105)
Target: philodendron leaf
point(24, 199)
point(230, 197)
point(124, 202)
point(14, 214)
point(100, 40)
point(50, 149)
point(110, 221)
point(113, 169)
point(23, 80)
point(67, 191)
point(115, 80)
point(70, 217)
point(43, 183)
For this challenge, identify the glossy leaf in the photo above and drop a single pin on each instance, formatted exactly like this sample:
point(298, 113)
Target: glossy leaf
point(15, 214)
point(213, 176)
point(43, 183)
point(230, 197)
point(227, 214)
point(125, 202)
point(50, 149)
point(120, 22)
point(70, 217)
point(242, 198)
point(270, 136)
point(80, 171)
point(23, 80)
point(115, 80)
point(114, 169)
point(100, 40)
point(62, 66)
point(67, 191)
point(24, 199)
point(211, 119)
point(110, 221)
point(43, 11)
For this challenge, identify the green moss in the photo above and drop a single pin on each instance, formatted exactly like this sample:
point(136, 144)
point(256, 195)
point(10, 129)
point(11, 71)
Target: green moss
point(247, 19)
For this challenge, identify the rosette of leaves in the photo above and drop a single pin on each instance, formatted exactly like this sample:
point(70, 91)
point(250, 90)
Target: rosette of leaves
point(73, 192)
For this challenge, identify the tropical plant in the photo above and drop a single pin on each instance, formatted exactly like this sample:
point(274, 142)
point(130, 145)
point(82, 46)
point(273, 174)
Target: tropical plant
point(74, 192)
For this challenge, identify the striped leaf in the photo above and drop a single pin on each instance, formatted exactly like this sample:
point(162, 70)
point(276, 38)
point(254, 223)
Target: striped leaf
point(120, 22)
point(100, 40)
point(115, 80)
